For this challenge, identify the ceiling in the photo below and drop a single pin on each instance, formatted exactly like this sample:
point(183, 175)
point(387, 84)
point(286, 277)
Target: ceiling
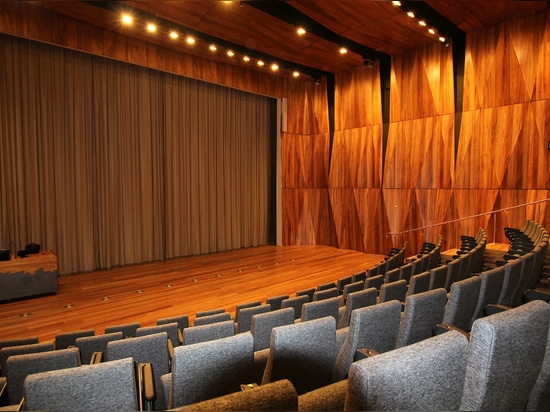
point(266, 30)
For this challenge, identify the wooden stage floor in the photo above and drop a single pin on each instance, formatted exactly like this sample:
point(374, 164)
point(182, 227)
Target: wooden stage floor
point(147, 292)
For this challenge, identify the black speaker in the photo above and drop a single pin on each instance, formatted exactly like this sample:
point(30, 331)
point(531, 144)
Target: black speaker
point(5, 255)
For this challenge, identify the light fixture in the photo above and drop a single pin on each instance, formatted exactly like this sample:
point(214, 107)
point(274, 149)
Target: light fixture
point(396, 3)
point(127, 19)
point(410, 14)
point(190, 40)
point(422, 23)
point(274, 67)
point(151, 28)
point(431, 31)
point(213, 47)
point(343, 50)
point(174, 35)
point(246, 58)
point(301, 31)
point(296, 74)
point(260, 63)
point(230, 53)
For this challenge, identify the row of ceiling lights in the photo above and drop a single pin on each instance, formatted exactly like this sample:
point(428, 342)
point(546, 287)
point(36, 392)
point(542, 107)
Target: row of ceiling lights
point(421, 22)
point(128, 20)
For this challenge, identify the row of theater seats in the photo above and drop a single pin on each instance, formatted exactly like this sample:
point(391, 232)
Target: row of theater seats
point(387, 317)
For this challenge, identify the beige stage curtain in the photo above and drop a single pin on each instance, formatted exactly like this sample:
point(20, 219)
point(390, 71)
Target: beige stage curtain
point(110, 164)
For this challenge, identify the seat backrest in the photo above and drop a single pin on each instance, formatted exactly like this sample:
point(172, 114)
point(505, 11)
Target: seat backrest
point(208, 319)
point(324, 286)
point(405, 272)
point(373, 327)
point(296, 303)
point(275, 301)
point(171, 330)
point(453, 272)
point(341, 282)
point(128, 329)
point(210, 369)
point(438, 277)
point(153, 349)
point(262, 324)
point(393, 291)
point(539, 398)
point(65, 339)
point(527, 261)
point(246, 314)
point(8, 351)
point(356, 300)
point(427, 375)
point(325, 294)
point(28, 340)
point(491, 282)
point(20, 366)
point(423, 311)
point(462, 302)
point(419, 283)
point(506, 351)
point(359, 276)
point(98, 343)
point(302, 353)
point(320, 309)
point(512, 274)
point(212, 331)
point(391, 275)
point(209, 312)
point(244, 306)
point(181, 320)
point(307, 292)
point(374, 282)
point(350, 288)
point(101, 387)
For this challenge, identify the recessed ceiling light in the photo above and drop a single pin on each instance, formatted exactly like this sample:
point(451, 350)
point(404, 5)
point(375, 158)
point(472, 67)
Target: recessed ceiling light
point(431, 31)
point(260, 63)
point(190, 40)
point(213, 47)
point(343, 50)
point(127, 19)
point(410, 14)
point(301, 31)
point(174, 35)
point(230, 53)
point(422, 22)
point(396, 3)
point(274, 67)
point(442, 39)
point(246, 58)
point(296, 73)
point(151, 28)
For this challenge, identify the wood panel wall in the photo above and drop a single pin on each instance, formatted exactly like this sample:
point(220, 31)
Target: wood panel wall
point(348, 192)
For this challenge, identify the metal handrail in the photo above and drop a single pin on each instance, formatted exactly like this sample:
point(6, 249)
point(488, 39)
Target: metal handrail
point(388, 234)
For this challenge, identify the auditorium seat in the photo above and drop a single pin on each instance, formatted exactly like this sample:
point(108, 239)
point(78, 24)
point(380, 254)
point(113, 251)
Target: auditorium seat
point(307, 292)
point(373, 327)
point(325, 294)
point(246, 305)
point(246, 314)
point(295, 303)
point(396, 290)
point(210, 369)
point(214, 318)
point(302, 353)
point(66, 339)
point(320, 309)
point(275, 301)
point(171, 329)
point(152, 349)
point(462, 303)
point(425, 376)
point(438, 277)
point(8, 351)
point(491, 282)
point(356, 300)
point(419, 283)
point(105, 386)
point(423, 311)
point(350, 288)
point(505, 357)
point(128, 329)
point(374, 282)
point(212, 331)
point(20, 366)
point(539, 398)
point(88, 345)
point(209, 312)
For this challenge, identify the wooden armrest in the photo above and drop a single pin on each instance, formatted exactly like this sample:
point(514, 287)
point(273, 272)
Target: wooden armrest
point(97, 357)
point(533, 294)
point(363, 353)
point(146, 385)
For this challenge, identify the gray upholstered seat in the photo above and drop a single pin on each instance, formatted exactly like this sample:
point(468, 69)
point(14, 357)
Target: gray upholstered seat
point(214, 318)
point(425, 376)
point(308, 292)
point(65, 339)
point(108, 386)
point(374, 282)
point(342, 282)
point(325, 294)
point(491, 282)
point(539, 398)
point(262, 324)
point(295, 303)
point(325, 286)
point(355, 300)
point(391, 275)
point(438, 277)
point(512, 274)
point(8, 351)
point(210, 369)
point(423, 311)
point(505, 357)
point(20, 366)
point(209, 312)
point(246, 314)
point(275, 301)
point(373, 327)
point(208, 332)
point(350, 288)
point(393, 291)
point(171, 329)
point(181, 320)
point(128, 329)
point(153, 349)
point(275, 396)
point(246, 305)
point(419, 283)
point(462, 302)
point(98, 343)
point(302, 353)
point(320, 309)
point(405, 272)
